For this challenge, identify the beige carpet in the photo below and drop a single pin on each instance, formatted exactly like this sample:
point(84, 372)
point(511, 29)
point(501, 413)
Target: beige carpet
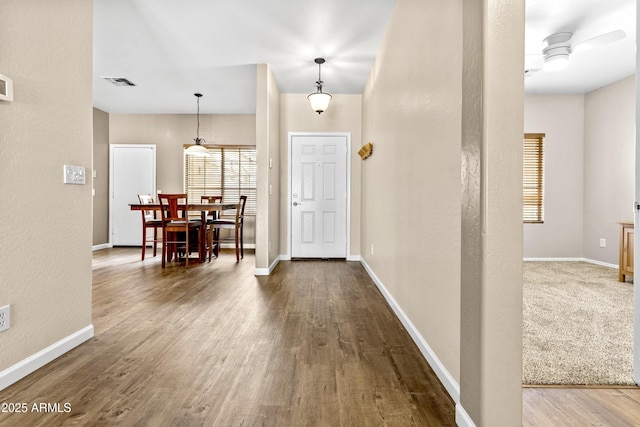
point(577, 325)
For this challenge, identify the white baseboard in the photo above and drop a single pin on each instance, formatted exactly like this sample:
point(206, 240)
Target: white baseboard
point(41, 358)
point(604, 264)
point(592, 261)
point(286, 257)
point(443, 374)
point(267, 271)
point(462, 418)
point(102, 246)
point(233, 245)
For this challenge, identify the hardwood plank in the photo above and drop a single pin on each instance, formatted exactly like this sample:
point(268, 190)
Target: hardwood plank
point(312, 344)
point(585, 406)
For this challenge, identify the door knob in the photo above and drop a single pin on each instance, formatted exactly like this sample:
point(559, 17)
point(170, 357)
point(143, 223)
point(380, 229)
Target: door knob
point(296, 203)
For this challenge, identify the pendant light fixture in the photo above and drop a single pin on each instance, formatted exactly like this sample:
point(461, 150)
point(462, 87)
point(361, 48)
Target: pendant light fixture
point(319, 100)
point(197, 149)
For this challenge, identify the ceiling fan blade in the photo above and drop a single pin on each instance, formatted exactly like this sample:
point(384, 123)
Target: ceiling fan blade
point(597, 41)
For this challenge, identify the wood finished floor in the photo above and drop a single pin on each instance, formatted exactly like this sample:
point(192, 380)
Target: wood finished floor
point(314, 344)
point(581, 406)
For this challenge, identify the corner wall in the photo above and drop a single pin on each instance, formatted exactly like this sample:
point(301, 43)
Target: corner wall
point(589, 171)
point(268, 169)
point(45, 266)
point(609, 167)
point(101, 180)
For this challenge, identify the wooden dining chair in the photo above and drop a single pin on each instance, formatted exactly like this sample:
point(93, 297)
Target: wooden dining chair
point(179, 233)
point(150, 220)
point(212, 215)
point(236, 224)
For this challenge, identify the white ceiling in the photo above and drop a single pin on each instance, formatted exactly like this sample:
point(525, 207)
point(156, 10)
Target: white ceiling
point(172, 49)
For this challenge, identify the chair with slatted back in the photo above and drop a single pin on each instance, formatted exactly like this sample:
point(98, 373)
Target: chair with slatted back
point(179, 233)
point(150, 220)
point(212, 215)
point(235, 224)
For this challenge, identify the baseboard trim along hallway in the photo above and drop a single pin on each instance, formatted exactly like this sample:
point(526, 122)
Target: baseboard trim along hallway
point(38, 360)
point(443, 374)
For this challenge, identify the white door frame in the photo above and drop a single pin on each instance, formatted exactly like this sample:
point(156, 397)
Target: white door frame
point(636, 234)
point(289, 195)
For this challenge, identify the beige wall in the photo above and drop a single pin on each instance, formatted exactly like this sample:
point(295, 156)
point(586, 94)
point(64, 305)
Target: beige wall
point(343, 115)
point(45, 267)
point(411, 114)
point(101, 180)
point(561, 119)
point(169, 132)
point(268, 168)
point(609, 166)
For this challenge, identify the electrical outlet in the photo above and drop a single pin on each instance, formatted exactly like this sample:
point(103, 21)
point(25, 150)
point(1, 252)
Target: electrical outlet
point(603, 243)
point(372, 249)
point(5, 319)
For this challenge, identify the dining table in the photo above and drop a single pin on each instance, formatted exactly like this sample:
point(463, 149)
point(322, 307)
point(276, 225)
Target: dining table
point(203, 208)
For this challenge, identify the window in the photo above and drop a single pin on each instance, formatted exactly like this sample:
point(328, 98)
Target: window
point(533, 178)
point(228, 171)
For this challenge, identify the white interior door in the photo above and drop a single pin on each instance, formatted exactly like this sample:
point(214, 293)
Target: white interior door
point(318, 196)
point(132, 171)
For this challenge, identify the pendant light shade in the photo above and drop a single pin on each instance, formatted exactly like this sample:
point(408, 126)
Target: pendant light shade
point(198, 149)
point(319, 100)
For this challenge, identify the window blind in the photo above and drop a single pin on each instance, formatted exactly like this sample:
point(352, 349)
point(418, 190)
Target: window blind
point(533, 178)
point(228, 171)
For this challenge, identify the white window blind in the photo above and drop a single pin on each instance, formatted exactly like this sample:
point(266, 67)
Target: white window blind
point(533, 178)
point(228, 171)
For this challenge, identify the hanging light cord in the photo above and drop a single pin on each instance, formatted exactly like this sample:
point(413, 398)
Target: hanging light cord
point(198, 140)
point(319, 61)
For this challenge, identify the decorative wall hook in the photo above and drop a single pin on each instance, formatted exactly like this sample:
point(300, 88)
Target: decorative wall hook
point(366, 150)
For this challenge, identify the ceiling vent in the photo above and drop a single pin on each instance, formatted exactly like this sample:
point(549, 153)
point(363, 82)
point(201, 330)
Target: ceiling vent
point(119, 81)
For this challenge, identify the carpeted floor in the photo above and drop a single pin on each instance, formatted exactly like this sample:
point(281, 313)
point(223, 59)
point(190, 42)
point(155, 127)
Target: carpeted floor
point(577, 325)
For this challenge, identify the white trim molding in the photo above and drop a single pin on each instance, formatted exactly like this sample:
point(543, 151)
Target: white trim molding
point(267, 271)
point(443, 374)
point(102, 246)
point(36, 361)
point(462, 418)
point(591, 261)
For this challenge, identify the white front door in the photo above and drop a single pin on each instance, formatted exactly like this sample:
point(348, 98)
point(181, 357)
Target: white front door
point(318, 196)
point(132, 171)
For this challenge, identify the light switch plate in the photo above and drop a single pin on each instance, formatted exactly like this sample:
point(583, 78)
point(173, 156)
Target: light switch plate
point(74, 175)
point(6, 88)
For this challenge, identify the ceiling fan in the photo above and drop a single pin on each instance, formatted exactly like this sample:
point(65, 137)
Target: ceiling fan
point(559, 46)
